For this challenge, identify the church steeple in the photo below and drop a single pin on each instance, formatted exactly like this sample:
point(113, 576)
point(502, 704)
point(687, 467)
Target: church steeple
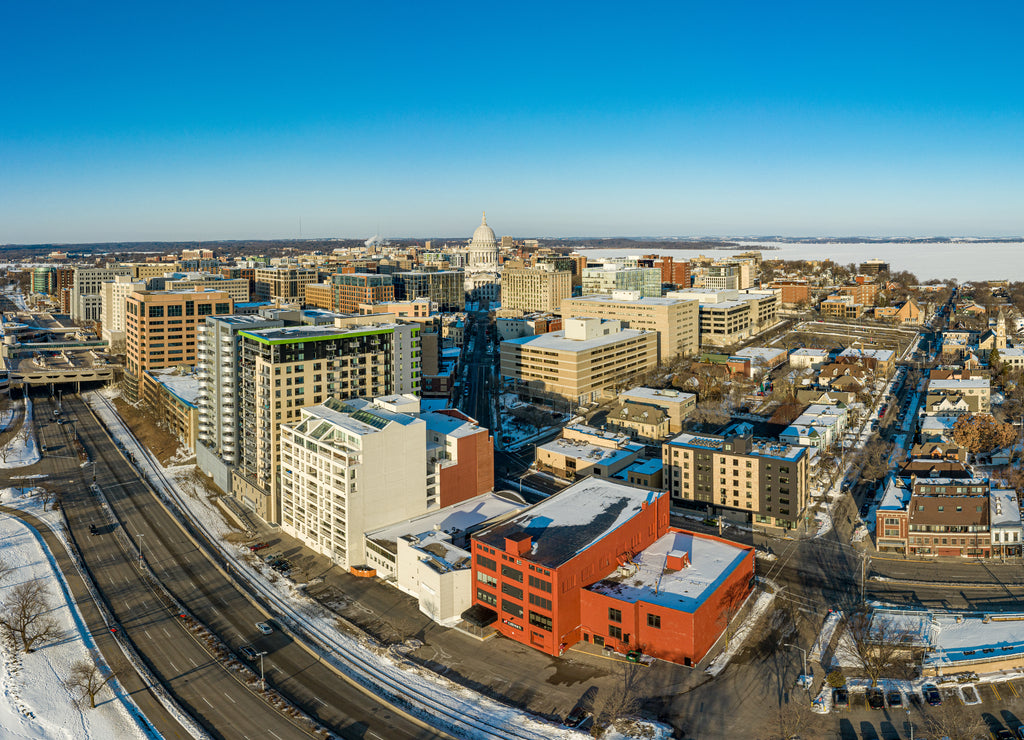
point(1001, 329)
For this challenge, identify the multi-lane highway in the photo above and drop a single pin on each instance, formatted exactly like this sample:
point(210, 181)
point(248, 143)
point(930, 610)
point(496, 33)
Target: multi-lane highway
point(210, 692)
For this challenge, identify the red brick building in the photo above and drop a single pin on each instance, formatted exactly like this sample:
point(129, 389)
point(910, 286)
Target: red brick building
point(466, 454)
point(549, 574)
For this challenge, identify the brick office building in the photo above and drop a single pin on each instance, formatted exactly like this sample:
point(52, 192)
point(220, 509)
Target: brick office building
point(533, 571)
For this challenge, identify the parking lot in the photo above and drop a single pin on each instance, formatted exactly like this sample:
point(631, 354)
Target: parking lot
point(996, 706)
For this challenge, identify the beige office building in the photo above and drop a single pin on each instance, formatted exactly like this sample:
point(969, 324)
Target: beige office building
point(540, 288)
point(675, 320)
point(730, 316)
point(237, 288)
point(283, 285)
point(591, 355)
point(160, 328)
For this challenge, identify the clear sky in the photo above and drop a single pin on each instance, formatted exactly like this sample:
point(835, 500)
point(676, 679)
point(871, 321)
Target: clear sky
point(138, 121)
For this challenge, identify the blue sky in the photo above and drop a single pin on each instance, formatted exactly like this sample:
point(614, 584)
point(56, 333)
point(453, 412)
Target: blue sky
point(198, 121)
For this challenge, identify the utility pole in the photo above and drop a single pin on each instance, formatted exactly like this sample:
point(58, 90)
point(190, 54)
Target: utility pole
point(804, 655)
point(140, 536)
point(263, 681)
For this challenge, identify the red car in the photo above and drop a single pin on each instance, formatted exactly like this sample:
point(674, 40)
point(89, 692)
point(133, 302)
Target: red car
point(258, 546)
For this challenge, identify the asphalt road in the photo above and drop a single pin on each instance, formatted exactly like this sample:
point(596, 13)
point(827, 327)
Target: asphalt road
point(211, 693)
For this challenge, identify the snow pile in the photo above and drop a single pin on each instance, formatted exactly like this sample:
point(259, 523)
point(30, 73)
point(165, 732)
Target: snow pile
point(824, 519)
point(828, 629)
point(23, 449)
point(34, 703)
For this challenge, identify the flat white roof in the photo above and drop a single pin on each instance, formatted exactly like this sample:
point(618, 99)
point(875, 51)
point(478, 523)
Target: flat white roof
point(810, 352)
point(556, 340)
point(711, 561)
point(656, 395)
point(451, 520)
point(953, 384)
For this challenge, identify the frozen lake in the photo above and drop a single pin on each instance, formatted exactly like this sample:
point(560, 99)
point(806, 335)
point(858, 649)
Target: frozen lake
point(964, 261)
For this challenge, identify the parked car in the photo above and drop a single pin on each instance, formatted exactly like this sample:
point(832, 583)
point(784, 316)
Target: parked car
point(264, 628)
point(932, 696)
point(93, 530)
point(876, 699)
point(576, 717)
point(258, 546)
point(1003, 734)
point(248, 653)
point(840, 698)
point(894, 698)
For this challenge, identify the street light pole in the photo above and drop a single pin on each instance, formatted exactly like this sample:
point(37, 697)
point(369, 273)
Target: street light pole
point(263, 682)
point(140, 536)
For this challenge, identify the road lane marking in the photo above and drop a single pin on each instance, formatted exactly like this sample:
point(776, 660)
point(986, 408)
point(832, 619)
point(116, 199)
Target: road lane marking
point(165, 631)
point(229, 698)
point(274, 734)
point(146, 633)
point(208, 702)
point(173, 666)
point(995, 691)
point(1012, 688)
point(127, 606)
point(193, 662)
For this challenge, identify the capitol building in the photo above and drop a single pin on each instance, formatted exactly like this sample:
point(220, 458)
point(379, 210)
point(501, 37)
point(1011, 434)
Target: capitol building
point(483, 276)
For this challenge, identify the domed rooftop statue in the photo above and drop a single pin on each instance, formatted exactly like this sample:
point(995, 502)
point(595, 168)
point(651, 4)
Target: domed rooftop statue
point(484, 234)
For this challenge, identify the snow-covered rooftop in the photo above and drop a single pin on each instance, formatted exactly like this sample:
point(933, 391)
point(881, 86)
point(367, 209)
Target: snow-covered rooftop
point(882, 355)
point(657, 395)
point(570, 521)
point(555, 340)
point(185, 387)
point(953, 384)
point(648, 580)
point(453, 520)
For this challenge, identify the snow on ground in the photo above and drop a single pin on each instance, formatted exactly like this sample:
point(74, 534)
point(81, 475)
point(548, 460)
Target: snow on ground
point(824, 519)
point(34, 703)
point(23, 449)
point(7, 417)
point(285, 597)
point(764, 600)
point(828, 629)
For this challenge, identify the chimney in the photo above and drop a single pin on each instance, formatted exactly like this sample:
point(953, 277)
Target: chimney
point(677, 560)
point(518, 544)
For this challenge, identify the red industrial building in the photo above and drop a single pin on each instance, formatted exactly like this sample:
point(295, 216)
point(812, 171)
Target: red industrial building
point(579, 564)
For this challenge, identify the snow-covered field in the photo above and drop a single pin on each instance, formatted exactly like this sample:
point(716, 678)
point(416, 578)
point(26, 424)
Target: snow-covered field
point(23, 449)
point(34, 702)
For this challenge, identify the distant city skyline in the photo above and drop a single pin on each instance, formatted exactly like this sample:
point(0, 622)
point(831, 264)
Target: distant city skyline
point(194, 122)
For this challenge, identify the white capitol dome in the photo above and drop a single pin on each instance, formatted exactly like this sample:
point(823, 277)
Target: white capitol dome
point(484, 235)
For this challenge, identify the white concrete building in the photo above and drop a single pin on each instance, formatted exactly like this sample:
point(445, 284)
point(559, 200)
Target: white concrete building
point(113, 296)
point(348, 467)
point(428, 556)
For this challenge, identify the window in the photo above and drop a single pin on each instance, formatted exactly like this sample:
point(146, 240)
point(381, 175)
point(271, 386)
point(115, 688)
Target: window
point(654, 620)
point(539, 620)
point(513, 591)
point(484, 578)
point(540, 601)
point(205, 309)
point(222, 308)
point(487, 598)
point(484, 562)
point(174, 310)
point(156, 311)
point(511, 607)
point(614, 615)
point(615, 632)
point(539, 584)
point(515, 575)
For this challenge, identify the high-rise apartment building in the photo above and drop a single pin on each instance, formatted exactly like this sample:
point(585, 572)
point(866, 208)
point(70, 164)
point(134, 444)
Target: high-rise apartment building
point(219, 419)
point(542, 288)
point(160, 329)
point(349, 290)
point(281, 371)
point(676, 320)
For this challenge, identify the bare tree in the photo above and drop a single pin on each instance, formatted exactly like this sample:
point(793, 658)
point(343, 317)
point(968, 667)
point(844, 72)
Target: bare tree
point(951, 721)
point(793, 719)
point(882, 646)
point(87, 680)
point(25, 614)
point(623, 698)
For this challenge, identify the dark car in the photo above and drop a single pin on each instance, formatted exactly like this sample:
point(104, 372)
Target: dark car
point(876, 699)
point(576, 717)
point(932, 697)
point(1003, 734)
point(840, 698)
point(93, 530)
point(248, 653)
point(894, 698)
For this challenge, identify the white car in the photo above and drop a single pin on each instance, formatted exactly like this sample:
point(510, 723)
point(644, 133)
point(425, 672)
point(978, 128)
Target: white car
point(265, 628)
